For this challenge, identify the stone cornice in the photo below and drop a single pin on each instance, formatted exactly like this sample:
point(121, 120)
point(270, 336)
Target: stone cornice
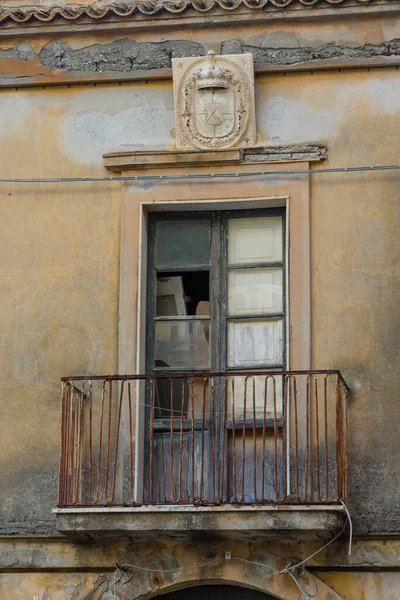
point(101, 10)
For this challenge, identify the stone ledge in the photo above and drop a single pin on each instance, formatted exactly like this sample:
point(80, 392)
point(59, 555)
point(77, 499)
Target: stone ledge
point(119, 161)
point(122, 161)
point(245, 523)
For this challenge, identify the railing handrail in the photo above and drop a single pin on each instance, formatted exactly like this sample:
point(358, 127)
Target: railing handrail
point(183, 374)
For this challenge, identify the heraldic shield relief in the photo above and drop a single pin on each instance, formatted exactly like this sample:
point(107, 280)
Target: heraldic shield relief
point(214, 102)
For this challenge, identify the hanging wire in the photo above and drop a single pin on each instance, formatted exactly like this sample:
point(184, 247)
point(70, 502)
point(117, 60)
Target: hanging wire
point(199, 175)
point(290, 569)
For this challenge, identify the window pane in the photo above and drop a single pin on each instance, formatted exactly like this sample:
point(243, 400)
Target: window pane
point(182, 344)
point(255, 240)
point(183, 294)
point(255, 342)
point(255, 291)
point(183, 242)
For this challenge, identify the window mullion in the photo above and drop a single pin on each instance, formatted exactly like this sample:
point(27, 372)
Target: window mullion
point(223, 275)
point(215, 294)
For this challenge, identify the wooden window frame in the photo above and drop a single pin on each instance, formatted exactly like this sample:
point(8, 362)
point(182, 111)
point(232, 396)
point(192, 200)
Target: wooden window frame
point(218, 268)
point(219, 271)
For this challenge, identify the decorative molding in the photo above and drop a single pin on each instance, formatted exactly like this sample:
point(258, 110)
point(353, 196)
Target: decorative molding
point(214, 102)
point(101, 10)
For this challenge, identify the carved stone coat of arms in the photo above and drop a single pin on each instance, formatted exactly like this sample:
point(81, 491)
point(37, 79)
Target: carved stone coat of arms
point(214, 102)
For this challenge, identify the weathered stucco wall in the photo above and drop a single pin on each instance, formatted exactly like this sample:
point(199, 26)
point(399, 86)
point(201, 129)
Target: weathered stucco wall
point(78, 586)
point(59, 270)
point(59, 298)
point(87, 571)
point(60, 261)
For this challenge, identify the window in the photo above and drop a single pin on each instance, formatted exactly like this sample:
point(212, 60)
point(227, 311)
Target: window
point(216, 303)
point(216, 298)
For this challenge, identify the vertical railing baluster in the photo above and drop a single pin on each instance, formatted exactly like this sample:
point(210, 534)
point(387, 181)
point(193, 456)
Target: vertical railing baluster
point(151, 434)
point(224, 410)
point(325, 498)
point(276, 480)
point(346, 442)
point(63, 449)
point(317, 439)
point(81, 424)
point(193, 446)
point(108, 443)
point(212, 438)
point(181, 441)
point(114, 480)
point(73, 446)
point(285, 425)
point(338, 441)
point(90, 475)
point(68, 444)
point(244, 437)
point(308, 393)
point(254, 440)
point(296, 430)
point(205, 392)
point(171, 446)
point(263, 439)
point(130, 445)
point(234, 441)
point(103, 393)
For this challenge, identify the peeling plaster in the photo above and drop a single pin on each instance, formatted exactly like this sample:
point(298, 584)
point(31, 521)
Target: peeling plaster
point(127, 55)
point(291, 56)
point(21, 50)
point(147, 123)
point(314, 115)
point(120, 55)
point(87, 124)
point(134, 127)
point(282, 119)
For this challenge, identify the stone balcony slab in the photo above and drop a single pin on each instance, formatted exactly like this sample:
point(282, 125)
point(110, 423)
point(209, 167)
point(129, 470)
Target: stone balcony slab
point(289, 522)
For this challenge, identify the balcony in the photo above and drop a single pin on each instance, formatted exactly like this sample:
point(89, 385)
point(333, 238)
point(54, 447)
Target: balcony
point(249, 454)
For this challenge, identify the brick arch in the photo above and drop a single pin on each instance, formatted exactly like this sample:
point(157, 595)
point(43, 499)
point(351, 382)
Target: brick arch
point(162, 579)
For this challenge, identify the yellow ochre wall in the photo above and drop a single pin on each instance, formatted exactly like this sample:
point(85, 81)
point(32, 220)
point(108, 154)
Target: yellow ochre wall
point(59, 266)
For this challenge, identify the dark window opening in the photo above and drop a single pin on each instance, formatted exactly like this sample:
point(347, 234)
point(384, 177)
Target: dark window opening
point(183, 294)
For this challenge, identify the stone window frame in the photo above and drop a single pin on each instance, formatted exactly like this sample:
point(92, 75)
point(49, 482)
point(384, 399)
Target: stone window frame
point(139, 198)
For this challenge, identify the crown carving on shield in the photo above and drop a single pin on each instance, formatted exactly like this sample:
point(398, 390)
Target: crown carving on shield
point(211, 76)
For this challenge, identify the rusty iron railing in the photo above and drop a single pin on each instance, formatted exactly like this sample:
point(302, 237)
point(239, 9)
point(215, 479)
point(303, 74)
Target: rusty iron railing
point(204, 439)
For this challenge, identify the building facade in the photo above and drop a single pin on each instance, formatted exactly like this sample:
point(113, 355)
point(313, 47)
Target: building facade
point(199, 288)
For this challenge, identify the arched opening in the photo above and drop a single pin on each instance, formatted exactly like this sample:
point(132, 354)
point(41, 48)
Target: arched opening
point(217, 592)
